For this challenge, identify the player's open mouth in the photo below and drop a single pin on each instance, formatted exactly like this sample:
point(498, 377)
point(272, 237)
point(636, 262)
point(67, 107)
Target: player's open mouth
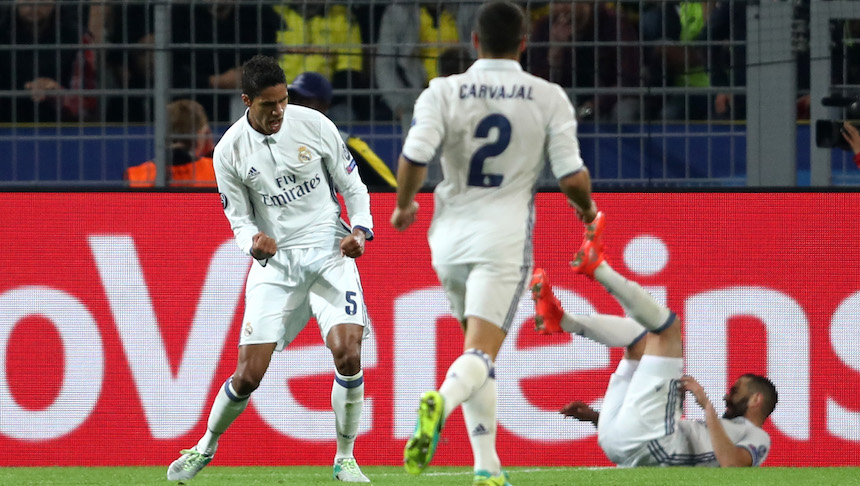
point(275, 125)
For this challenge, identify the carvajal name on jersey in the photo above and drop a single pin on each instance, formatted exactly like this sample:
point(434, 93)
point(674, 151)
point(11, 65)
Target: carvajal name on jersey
point(512, 92)
point(292, 193)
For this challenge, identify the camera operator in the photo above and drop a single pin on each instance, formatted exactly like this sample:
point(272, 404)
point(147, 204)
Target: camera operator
point(852, 136)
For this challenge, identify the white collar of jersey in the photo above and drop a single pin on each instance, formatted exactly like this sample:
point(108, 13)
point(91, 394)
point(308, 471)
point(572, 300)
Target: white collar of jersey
point(257, 136)
point(496, 64)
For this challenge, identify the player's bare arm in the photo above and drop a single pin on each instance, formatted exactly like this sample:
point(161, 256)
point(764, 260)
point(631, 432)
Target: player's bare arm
point(727, 453)
point(263, 246)
point(353, 245)
point(409, 179)
point(402, 219)
point(577, 188)
point(580, 411)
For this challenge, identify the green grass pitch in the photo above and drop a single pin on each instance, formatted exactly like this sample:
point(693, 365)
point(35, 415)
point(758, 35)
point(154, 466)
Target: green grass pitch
point(381, 476)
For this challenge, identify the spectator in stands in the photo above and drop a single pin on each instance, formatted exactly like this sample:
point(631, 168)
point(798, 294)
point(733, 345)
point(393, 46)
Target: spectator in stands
point(847, 55)
point(640, 422)
point(318, 38)
point(98, 11)
point(130, 62)
point(845, 58)
point(326, 39)
point(674, 63)
point(563, 51)
point(249, 26)
point(844, 63)
point(314, 91)
point(852, 136)
point(44, 77)
point(189, 151)
point(411, 36)
point(726, 21)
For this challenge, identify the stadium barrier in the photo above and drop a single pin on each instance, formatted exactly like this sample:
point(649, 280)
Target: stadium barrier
point(686, 163)
point(120, 315)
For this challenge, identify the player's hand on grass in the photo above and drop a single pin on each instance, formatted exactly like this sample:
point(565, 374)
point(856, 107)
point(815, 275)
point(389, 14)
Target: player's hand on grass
point(263, 246)
point(580, 411)
point(403, 218)
point(353, 245)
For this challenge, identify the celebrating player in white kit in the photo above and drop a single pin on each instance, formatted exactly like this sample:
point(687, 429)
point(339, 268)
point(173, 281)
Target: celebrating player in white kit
point(495, 126)
point(640, 423)
point(277, 170)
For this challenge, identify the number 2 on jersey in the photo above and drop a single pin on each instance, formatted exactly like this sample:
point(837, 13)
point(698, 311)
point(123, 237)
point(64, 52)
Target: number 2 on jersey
point(477, 177)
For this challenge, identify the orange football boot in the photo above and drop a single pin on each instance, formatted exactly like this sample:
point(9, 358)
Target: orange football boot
point(594, 230)
point(588, 258)
point(548, 311)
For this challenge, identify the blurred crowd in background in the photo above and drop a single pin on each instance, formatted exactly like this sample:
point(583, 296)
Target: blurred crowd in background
point(93, 60)
point(92, 87)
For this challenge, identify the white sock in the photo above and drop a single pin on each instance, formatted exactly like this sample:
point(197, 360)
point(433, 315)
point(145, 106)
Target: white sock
point(479, 411)
point(612, 331)
point(347, 401)
point(637, 303)
point(466, 374)
point(227, 406)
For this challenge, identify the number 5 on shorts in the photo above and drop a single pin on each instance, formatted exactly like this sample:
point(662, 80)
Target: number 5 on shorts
point(352, 306)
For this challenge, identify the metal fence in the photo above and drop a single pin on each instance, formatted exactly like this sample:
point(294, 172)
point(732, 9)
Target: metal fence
point(668, 93)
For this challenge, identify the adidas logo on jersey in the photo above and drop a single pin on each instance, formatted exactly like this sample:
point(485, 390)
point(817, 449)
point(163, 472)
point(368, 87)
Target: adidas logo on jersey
point(253, 173)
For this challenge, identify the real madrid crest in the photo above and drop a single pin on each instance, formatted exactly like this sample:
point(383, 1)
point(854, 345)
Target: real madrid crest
point(304, 154)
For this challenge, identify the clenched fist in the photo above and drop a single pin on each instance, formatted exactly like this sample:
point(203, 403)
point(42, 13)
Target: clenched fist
point(403, 218)
point(353, 245)
point(263, 246)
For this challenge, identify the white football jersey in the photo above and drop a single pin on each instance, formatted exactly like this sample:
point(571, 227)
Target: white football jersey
point(690, 445)
point(283, 184)
point(495, 126)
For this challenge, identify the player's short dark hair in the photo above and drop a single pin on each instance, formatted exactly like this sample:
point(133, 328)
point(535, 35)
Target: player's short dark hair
point(760, 384)
point(261, 72)
point(500, 27)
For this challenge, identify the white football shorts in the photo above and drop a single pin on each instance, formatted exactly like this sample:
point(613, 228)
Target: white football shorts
point(490, 291)
point(650, 410)
point(299, 284)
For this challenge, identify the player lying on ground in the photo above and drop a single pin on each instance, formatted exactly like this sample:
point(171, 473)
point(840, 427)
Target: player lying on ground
point(640, 423)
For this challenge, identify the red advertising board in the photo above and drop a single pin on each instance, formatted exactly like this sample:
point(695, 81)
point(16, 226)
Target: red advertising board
point(120, 315)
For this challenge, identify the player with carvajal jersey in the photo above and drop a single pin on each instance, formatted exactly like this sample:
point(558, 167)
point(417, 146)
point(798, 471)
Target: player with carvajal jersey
point(640, 423)
point(277, 169)
point(494, 126)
